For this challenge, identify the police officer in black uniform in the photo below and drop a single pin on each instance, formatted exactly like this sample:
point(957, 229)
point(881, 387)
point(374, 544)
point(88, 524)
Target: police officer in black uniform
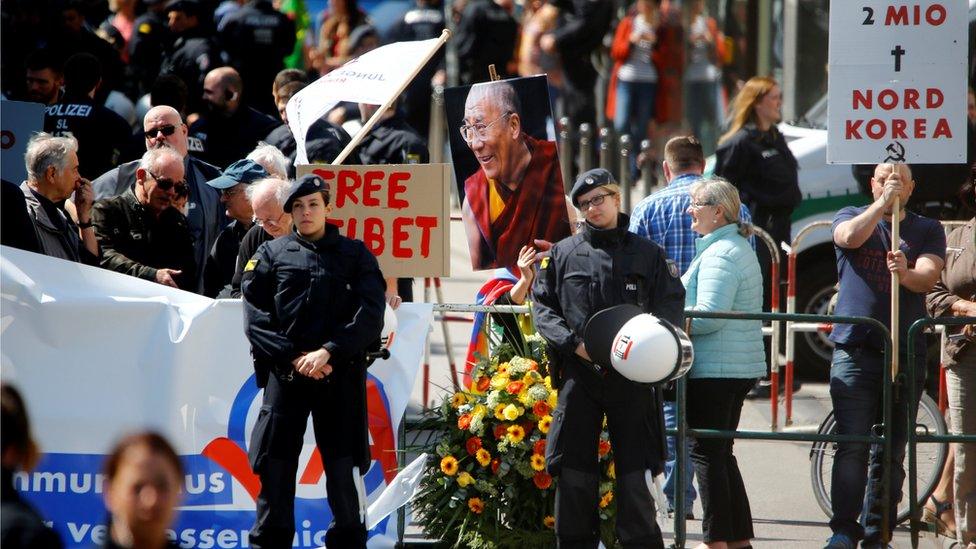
point(486, 35)
point(102, 134)
point(150, 38)
point(313, 303)
point(423, 22)
point(602, 265)
point(257, 37)
point(193, 53)
point(392, 140)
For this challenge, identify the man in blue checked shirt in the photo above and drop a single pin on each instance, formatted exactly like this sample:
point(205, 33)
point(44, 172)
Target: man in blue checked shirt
point(662, 218)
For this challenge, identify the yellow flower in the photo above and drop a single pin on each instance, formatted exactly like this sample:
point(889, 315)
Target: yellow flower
point(549, 522)
point(479, 411)
point(515, 434)
point(544, 424)
point(526, 398)
point(476, 505)
point(458, 399)
point(464, 479)
point(531, 377)
point(499, 412)
point(449, 466)
point(606, 499)
point(483, 457)
point(512, 412)
point(499, 381)
point(538, 462)
point(612, 470)
point(503, 368)
point(548, 382)
point(553, 399)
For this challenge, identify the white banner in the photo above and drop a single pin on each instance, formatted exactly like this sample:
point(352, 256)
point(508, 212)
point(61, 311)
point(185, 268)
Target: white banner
point(99, 354)
point(371, 78)
point(897, 82)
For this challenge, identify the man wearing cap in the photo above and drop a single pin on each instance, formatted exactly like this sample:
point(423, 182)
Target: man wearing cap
point(311, 363)
point(193, 52)
point(601, 266)
point(517, 194)
point(232, 186)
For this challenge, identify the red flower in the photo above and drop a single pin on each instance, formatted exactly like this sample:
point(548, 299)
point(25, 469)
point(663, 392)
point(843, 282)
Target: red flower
point(483, 383)
point(542, 480)
point(464, 422)
point(529, 426)
point(540, 409)
point(500, 430)
point(604, 448)
point(473, 445)
point(494, 465)
point(539, 447)
point(533, 366)
point(515, 387)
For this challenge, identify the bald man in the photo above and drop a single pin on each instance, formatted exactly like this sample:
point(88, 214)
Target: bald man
point(866, 259)
point(162, 128)
point(227, 129)
point(517, 194)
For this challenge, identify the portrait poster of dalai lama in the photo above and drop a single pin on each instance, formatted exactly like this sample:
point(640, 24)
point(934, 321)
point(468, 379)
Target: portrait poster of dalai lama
point(503, 149)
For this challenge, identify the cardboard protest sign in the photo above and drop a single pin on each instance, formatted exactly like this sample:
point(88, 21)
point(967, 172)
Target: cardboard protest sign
point(897, 86)
point(401, 213)
point(18, 121)
point(503, 149)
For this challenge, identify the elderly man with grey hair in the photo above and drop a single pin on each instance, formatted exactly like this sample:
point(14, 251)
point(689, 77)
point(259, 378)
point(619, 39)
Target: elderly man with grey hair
point(517, 194)
point(271, 159)
point(163, 127)
point(141, 233)
point(267, 198)
point(52, 178)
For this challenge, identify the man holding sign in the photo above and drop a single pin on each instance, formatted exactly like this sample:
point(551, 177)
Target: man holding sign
point(866, 260)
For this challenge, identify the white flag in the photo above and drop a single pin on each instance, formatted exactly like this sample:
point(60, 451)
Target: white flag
point(371, 78)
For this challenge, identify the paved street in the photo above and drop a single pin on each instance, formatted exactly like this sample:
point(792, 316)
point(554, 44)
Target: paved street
point(777, 475)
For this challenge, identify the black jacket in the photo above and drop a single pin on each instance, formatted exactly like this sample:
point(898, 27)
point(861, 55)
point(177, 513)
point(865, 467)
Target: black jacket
point(596, 269)
point(101, 133)
point(762, 167)
point(136, 243)
point(150, 38)
point(20, 524)
point(252, 240)
point(300, 296)
point(221, 262)
point(220, 141)
point(485, 36)
point(191, 57)
point(393, 141)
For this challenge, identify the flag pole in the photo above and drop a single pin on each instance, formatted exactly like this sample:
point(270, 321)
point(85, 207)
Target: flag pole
point(895, 287)
point(444, 37)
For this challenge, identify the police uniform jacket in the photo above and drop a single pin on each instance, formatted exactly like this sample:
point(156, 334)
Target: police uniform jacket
point(301, 295)
point(192, 56)
point(101, 133)
point(150, 38)
point(220, 141)
point(596, 269)
point(393, 141)
point(136, 243)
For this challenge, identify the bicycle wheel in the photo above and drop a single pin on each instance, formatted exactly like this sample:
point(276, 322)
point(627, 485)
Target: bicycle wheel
point(930, 457)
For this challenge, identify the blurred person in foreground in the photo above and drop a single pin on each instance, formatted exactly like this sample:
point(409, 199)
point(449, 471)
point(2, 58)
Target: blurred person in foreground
point(729, 356)
point(20, 524)
point(143, 486)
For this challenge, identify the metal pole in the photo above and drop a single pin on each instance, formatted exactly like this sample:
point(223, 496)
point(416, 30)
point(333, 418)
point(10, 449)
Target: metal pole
point(566, 152)
point(680, 443)
point(647, 167)
point(625, 171)
point(585, 142)
point(606, 150)
point(435, 136)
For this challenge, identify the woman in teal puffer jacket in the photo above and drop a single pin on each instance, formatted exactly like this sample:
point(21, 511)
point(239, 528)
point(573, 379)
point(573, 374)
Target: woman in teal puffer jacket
point(729, 355)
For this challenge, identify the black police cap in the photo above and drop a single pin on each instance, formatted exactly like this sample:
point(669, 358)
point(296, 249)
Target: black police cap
point(589, 180)
point(306, 185)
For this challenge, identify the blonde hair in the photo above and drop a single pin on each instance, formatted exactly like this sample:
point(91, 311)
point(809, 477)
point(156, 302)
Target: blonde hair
point(743, 109)
point(719, 192)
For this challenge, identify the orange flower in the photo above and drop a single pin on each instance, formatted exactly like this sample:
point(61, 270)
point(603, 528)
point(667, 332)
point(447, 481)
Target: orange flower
point(542, 480)
point(538, 462)
point(483, 457)
point(604, 448)
point(515, 387)
point(476, 505)
point(473, 445)
point(449, 465)
point(482, 383)
point(533, 366)
point(464, 422)
point(539, 447)
point(606, 499)
point(549, 522)
point(500, 430)
point(495, 463)
point(540, 409)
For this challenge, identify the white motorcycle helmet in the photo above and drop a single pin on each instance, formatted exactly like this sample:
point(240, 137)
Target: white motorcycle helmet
point(640, 346)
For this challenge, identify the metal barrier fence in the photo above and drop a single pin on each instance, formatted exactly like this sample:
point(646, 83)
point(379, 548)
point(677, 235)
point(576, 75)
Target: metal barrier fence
point(915, 523)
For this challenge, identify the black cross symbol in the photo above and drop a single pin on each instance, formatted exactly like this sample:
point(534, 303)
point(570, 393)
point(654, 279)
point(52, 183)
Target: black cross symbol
point(898, 52)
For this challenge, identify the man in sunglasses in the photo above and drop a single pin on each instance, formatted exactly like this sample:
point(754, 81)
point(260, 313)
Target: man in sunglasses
point(163, 127)
point(517, 194)
point(140, 232)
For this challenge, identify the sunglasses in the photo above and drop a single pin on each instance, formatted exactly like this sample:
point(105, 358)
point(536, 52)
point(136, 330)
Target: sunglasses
point(167, 130)
point(167, 184)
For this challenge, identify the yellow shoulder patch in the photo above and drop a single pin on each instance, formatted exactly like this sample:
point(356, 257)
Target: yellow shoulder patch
point(545, 262)
point(251, 264)
point(145, 28)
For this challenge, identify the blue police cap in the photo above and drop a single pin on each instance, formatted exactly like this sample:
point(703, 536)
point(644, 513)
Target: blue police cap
point(306, 185)
point(589, 180)
point(242, 171)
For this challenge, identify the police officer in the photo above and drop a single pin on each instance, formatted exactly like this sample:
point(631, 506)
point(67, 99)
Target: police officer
point(193, 53)
point(257, 37)
point(313, 302)
point(423, 22)
point(150, 38)
point(601, 266)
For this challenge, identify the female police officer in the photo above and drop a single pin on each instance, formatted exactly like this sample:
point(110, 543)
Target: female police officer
point(313, 302)
point(601, 266)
